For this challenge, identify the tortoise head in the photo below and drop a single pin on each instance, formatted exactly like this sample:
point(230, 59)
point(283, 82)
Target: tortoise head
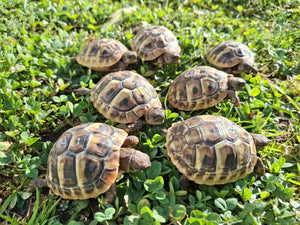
point(129, 57)
point(155, 116)
point(247, 68)
point(171, 57)
point(260, 141)
point(235, 83)
point(132, 160)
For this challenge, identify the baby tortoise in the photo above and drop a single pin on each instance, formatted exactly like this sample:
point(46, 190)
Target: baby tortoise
point(87, 159)
point(211, 149)
point(158, 45)
point(106, 55)
point(232, 57)
point(202, 87)
point(128, 98)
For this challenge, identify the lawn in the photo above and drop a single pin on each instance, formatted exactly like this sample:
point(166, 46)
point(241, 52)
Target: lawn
point(38, 102)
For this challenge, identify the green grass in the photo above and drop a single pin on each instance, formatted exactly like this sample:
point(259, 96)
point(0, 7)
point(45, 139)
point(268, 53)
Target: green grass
point(37, 103)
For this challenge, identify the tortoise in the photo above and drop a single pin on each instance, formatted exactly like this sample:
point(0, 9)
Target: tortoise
point(202, 87)
point(106, 55)
point(158, 45)
point(232, 57)
point(126, 97)
point(211, 149)
point(87, 159)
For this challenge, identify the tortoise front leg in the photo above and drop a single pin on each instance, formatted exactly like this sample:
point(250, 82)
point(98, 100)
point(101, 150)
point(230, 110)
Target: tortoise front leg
point(110, 195)
point(160, 62)
point(134, 127)
point(234, 98)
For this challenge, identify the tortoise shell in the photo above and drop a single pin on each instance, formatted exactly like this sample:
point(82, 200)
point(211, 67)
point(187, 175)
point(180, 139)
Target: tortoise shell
point(229, 55)
point(84, 161)
point(103, 55)
point(211, 149)
point(124, 96)
point(152, 42)
point(198, 88)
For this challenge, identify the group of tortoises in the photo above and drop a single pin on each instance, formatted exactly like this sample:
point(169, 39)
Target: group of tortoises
point(209, 149)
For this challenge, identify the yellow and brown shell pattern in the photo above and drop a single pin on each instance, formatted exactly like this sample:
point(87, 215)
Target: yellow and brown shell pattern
point(154, 41)
point(198, 88)
point(211, 149)
point(84, 161)
point(124, 96)
point(101, 54)
point(228, 54)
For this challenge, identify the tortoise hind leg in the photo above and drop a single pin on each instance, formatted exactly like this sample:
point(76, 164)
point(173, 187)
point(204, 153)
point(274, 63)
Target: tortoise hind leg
point(36, 183)
point(134, 127)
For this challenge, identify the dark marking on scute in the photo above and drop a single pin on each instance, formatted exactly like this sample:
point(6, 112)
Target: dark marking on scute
point(105, 52)
point(210, 86)
point(90, 167)
point(239, 52)
point(101, 86)
point(146, 54)
point(54, 172)
point(182, 95)
point(114, 113)
point(141, 39)
point(122, 116)
point(223, 177)
point(195, 91)
point(219, 48)
point(93, 50)
point(247, 153)
point(89, 189)
point(225, 57)
point(59, 189)
point(100, 183)
point(148, 46)
point(110, 94)
point(211, 177)
point(191, 159)
point(70, 179)
point(123, 103)
point(181, 161)
point(243, 171)
point(77, 190)
point(191, 171)
point(230, 163)
point(208, 162)
point(67, 192)
point(161, 43)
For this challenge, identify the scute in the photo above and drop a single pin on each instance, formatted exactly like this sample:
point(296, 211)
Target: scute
point(198, 88)
point(89, 165)
point(210, 149)
point(125, 97)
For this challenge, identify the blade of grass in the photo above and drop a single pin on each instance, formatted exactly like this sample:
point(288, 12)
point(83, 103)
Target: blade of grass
point(35, 209)
point(7, 201)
